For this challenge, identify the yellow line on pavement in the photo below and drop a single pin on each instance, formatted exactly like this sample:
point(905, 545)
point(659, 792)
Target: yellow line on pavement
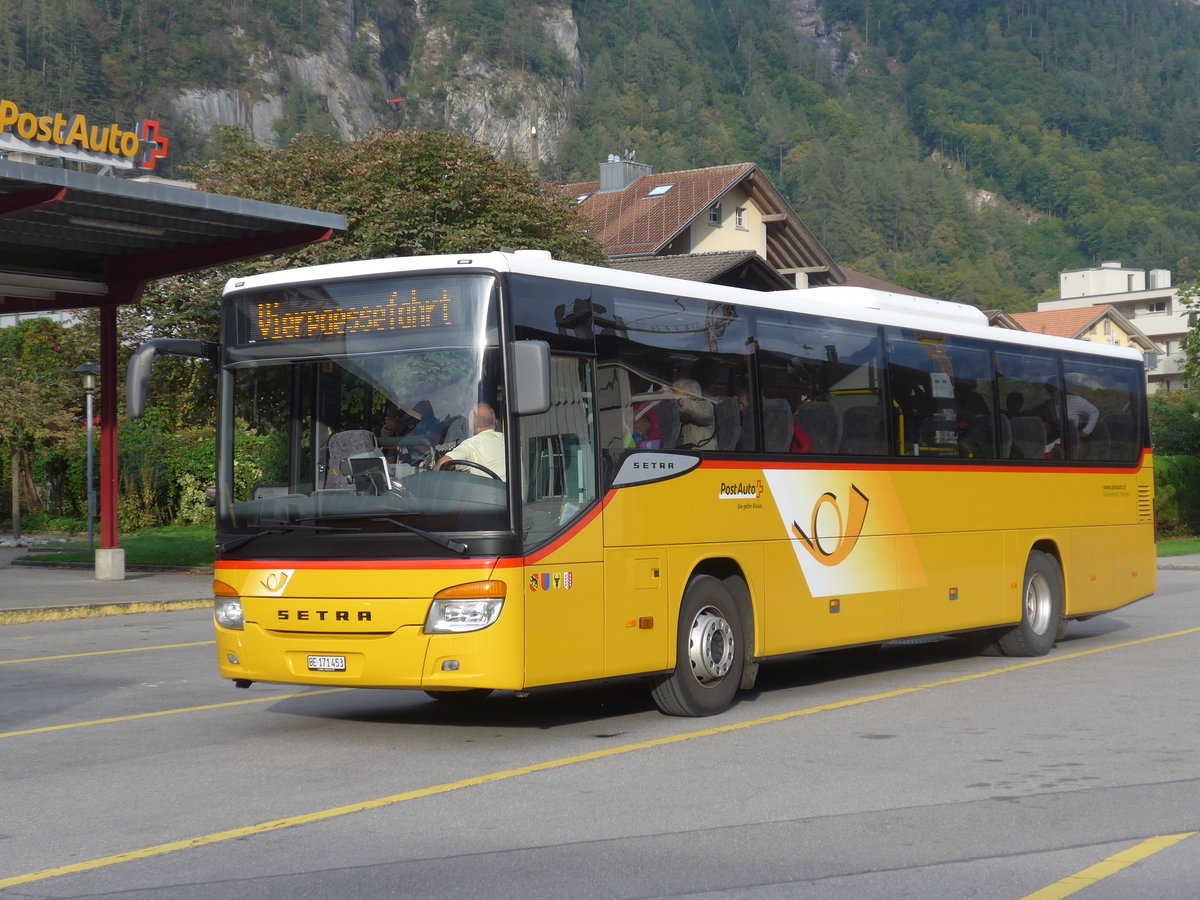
point(549, 765)
point(33, 659)
point(1103, 869)
point(169, 712)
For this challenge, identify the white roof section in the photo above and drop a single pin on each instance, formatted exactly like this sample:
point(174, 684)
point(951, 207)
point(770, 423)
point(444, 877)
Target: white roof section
point(841, 302)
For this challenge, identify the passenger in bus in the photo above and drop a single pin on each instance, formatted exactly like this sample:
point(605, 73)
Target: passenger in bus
point(647, 435)
point(1014, 404)
point(396, 425)
point(417, 436)
point(697, 418)
point(1081, 412)
point(485, 446)
point(975, 431)
point(801, 442)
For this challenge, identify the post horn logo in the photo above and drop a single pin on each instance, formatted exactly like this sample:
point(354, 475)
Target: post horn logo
point(848, 528)
point(274, 582)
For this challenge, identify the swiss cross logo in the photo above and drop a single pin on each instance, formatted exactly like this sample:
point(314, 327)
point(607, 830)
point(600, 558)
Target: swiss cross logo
point(154, 145)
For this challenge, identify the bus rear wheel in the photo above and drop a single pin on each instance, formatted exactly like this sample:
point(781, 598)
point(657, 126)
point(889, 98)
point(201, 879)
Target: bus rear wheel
point(709, 653)
point(1041, 609)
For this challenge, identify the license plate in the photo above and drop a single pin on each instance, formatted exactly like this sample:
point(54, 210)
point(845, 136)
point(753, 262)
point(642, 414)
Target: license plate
point(327, 664)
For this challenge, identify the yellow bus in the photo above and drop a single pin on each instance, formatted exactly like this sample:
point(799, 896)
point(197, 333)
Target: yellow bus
point(498, 471)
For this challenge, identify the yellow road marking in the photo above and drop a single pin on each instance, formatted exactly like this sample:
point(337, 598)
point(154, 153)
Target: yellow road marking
point(504, 775)
point(33, 659)
point(169, 712)
point(1111, 866)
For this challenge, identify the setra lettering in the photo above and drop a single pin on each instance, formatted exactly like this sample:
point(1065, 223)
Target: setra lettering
point(321, 615)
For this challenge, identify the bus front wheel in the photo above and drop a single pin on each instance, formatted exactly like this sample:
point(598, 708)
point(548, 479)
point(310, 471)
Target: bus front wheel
point(709, 653)
point(1041, 609)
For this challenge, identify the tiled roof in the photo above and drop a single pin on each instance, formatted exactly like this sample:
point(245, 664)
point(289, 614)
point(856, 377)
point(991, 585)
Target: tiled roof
point(1061, 322)
point(706, 267)
point(630, 222)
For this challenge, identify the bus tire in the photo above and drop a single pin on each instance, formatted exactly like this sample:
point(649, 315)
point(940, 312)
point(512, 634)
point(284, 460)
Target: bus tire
point(709, 653)
point(1041, 609)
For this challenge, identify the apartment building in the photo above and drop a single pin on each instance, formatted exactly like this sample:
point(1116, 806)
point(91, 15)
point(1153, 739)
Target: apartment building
point(1147, 301)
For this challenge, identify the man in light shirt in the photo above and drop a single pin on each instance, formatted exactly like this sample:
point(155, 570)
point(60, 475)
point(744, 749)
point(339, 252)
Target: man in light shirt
point(485, 446)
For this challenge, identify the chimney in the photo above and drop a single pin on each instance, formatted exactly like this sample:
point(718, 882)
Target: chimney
point(617, 174)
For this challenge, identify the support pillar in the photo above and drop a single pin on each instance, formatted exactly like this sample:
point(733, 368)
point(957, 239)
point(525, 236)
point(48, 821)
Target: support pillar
point(110, 558)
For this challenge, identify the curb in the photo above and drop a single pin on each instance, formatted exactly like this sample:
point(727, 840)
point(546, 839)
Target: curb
point(81, 611)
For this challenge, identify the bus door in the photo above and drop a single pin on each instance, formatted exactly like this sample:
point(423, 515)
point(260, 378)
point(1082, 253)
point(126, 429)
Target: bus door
point(561, 531)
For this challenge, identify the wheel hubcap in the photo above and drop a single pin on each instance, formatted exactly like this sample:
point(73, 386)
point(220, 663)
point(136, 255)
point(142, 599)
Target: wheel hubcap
point(1038, 603)
point(710, 645)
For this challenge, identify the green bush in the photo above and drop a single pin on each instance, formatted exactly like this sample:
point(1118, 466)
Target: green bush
point(1177, 494)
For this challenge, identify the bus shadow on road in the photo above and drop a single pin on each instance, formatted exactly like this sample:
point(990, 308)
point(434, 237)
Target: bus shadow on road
point(566, 705)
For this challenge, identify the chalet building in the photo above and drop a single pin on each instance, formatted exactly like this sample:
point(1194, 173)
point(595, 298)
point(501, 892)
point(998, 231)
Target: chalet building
point(723, 225)
point(1142, 306)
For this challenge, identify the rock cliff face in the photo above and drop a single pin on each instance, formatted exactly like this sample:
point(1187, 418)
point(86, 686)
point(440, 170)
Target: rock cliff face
point(347, 87)
point(497, 106)
point(348, 100)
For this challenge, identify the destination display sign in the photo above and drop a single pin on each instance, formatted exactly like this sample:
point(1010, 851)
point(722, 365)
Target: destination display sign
point(306, 319)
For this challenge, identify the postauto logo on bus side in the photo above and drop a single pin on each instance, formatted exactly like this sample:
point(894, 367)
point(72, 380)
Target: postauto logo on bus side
point(742, 490)
point(831, 551)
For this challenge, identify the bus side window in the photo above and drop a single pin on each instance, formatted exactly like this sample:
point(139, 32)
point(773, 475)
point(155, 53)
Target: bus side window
point(669, 373)
point(1026, 380)
point(1112, 388)
point(812, 373)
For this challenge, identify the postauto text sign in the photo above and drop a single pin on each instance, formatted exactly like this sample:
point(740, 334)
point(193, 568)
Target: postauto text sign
point(73, 137)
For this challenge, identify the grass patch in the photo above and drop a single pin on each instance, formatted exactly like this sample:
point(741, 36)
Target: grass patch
point(174, 545)
point(1178, 546)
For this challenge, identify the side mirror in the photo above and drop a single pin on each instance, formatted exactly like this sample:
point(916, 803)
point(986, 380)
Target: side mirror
point(531, 377)
point(137, 375)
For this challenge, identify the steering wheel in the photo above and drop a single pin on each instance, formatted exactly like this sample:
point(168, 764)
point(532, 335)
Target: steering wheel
point(451, 463)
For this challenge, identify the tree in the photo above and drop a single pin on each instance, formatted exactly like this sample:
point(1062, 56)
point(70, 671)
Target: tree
point(1189, 296)
point(405, 193)
point(42, 398)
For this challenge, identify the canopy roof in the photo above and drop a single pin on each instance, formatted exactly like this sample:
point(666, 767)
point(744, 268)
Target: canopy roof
point(66, 237)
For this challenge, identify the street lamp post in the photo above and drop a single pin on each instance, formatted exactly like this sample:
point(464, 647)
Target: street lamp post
point(89, 370)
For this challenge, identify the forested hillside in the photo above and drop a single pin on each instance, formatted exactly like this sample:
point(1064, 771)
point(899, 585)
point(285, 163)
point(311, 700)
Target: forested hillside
point(966, 149)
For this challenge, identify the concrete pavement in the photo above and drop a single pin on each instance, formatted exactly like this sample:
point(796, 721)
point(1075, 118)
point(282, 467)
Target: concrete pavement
point(30, 593)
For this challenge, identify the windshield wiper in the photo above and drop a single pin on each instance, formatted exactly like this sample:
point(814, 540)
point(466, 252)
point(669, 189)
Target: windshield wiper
point(452, 545)
point(433, 537)
point(275, 528)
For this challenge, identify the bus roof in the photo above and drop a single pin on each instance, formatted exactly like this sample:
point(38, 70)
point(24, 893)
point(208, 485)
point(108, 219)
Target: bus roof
point(851, 303)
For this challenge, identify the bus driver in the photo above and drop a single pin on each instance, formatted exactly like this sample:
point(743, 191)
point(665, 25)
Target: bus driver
point(485, 446)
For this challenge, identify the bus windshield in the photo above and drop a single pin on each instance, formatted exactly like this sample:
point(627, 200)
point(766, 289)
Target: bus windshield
point(341, 397)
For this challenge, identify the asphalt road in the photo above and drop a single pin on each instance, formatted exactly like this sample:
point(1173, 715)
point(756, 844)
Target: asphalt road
point(919, 770)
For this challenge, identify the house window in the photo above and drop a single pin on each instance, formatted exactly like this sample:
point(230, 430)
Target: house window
point(1156, 306)
point(659, 191)
point(714, 215)
point(739, 217)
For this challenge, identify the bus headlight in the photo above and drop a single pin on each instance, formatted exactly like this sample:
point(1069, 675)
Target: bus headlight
point(465, 607)
point(228, 611)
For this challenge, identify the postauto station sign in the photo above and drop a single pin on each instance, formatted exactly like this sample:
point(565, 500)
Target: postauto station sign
point(73, 137)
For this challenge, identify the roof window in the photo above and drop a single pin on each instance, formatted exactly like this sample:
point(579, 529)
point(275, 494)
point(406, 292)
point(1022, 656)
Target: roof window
point(660, 190)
